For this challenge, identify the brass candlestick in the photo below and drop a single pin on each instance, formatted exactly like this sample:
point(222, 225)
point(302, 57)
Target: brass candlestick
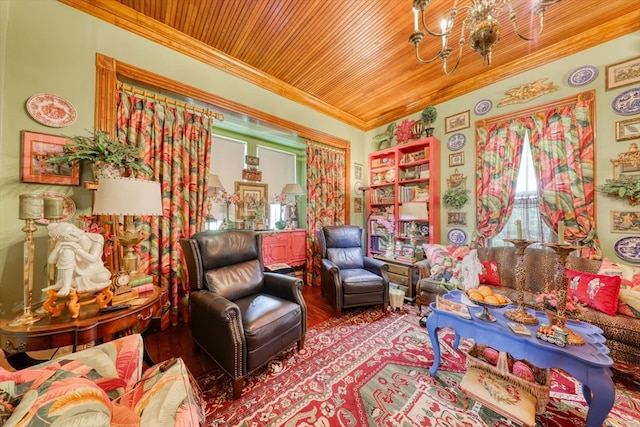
point(28, 317)
point(521, 315)
point(562, 283)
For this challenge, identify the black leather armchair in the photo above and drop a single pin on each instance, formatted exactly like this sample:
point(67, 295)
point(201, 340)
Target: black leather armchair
point(241, 316)
point(348, 278)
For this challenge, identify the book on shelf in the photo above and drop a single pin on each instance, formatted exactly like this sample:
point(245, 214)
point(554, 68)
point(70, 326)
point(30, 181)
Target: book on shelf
point(456, 308)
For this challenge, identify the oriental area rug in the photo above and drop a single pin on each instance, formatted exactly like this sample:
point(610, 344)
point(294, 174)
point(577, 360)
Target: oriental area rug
point(371, 369)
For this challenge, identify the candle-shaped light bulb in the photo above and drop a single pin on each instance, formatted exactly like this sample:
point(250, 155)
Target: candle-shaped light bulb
point(519, 229)
point(561, 232)
point(415, 19)
point(443, 26)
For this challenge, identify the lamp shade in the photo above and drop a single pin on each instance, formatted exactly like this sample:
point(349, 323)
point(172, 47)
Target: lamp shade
point(127, 196)
point(214, 182)
point(293, 189)
point(414, 211)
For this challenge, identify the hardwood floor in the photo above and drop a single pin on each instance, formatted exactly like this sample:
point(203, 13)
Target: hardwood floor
point(177, 342)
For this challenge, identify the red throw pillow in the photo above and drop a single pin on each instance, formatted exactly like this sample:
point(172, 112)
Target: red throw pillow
point(596, 291)
point(490, 274)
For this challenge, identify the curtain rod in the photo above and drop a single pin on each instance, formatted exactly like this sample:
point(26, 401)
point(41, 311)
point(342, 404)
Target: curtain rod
point(155, 96)
point(316, 144)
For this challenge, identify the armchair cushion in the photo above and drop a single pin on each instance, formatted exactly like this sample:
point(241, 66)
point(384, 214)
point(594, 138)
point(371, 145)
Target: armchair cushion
point(265, 317)
point(358, 280)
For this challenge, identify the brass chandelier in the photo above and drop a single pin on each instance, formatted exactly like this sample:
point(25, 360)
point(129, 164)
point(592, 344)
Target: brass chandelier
point(480, 22)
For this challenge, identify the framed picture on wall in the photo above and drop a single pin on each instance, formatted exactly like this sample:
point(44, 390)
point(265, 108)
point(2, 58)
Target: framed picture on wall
point(457, 218)
point(357, 170)
point(628, 129)
point(357, 205)
point(456, 159)
point(457, 121)
point(251, 195)
point(625, 222)
point(37, 148)
point(623, 73)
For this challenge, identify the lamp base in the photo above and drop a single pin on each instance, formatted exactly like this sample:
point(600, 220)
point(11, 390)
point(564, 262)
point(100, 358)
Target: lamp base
point(27, 318)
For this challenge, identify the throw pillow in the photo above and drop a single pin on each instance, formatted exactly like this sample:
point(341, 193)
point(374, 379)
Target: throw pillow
point(440, 261)
point(596, 291)
point(8, 400)
point(490, 274)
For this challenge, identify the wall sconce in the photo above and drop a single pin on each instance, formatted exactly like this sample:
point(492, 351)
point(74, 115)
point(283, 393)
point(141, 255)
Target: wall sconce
point(128, 197)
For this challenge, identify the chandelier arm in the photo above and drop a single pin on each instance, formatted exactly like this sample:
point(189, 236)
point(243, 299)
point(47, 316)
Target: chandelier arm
point(444, 65)
point(428, 61)
point(537, 10)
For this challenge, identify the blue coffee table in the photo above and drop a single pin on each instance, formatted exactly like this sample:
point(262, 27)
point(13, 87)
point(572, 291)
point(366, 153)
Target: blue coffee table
point(588, 363)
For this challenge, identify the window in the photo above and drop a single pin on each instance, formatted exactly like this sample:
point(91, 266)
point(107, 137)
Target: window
point(279, 170)
point(227, 161)
point(525, 206)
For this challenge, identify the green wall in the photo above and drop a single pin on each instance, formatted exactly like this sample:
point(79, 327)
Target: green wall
point(46, 46)
point(556, 72)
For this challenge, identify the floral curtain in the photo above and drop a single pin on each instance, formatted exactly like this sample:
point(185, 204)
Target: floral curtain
point(499, 152)
point(177, 146)
point(325, 199)
point(562, 148)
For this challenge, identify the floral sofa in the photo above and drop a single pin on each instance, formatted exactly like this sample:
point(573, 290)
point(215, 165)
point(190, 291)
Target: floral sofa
point(616, 310)
point(101, 386)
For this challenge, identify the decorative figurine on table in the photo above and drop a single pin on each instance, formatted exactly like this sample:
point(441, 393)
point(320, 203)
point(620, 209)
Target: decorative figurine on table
point(470, 270)
point(77, 256)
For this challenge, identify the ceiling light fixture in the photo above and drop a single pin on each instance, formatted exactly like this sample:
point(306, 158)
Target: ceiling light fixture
point(480, 22)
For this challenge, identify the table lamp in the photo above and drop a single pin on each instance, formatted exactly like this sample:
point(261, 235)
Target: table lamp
point(413, 211)
point(128, 197)
point(293, 190)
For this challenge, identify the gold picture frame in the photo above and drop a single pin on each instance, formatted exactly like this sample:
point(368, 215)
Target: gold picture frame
point(627, 222)
point(628, 129)
point(37, 148)
point(457, 121)
point(251, 194)
point(456, 159)
point(623, 73)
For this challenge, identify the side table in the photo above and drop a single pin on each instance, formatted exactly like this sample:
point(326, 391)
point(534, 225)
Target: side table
point(63, 331)
point(403, 274)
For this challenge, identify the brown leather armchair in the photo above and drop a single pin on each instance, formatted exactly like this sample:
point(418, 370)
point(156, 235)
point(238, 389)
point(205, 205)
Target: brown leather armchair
point(348, 278)
point(241, 316)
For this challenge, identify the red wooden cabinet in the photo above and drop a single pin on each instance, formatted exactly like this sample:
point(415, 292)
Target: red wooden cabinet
point(286, 246)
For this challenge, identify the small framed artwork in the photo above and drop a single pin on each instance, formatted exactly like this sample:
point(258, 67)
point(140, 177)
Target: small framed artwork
point(456, 159)
point(252, 161)
point(628, 129)
point(457, 218)
point(625, 222)
point(457, 121)
point(357, 170)
point(623, 73)
point(37, 148)
point(357, 205)
point(251, 195)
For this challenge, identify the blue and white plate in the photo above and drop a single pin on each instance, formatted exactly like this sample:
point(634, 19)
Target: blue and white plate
point(483, 107)
point(582, 76)
point(456, 141)
point(457, 236)
point(628, 248)
point(628, 102)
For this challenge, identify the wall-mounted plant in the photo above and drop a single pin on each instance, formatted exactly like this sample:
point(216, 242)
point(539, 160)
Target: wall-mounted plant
point(455, 198)
point(625, 187)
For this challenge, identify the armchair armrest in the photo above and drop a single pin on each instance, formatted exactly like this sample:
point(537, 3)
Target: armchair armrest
point(216, 326)
point(289, 288)
point(376, 266)
point(424, 269)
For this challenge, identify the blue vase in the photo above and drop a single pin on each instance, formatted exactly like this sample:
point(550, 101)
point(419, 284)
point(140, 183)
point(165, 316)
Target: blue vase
point(281, 224)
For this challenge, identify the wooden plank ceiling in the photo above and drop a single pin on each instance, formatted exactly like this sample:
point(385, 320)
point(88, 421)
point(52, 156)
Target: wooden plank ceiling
point(351, 59)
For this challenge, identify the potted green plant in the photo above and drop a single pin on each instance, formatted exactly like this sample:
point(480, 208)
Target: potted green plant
point(455, 198)
point(107, 155)
point(429, 115)
point(625, 187)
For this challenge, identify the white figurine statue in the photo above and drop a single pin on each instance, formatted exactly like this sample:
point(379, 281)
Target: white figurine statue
point(78, 259)
point(470, 270)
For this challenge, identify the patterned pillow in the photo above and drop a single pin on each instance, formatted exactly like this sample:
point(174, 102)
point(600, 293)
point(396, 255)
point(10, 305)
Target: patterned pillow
point(8, 400)
point(490, 274)
point(440, 261)
point(596, 291)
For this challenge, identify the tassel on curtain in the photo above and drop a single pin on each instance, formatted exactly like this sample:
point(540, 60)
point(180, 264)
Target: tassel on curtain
point(326, 192)
point(177, 145)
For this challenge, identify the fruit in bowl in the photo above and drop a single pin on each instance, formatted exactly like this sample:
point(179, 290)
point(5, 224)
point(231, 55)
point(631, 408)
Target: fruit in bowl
point(484, 294)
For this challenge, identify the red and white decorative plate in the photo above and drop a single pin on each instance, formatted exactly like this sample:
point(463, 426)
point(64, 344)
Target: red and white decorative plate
point(51, 110)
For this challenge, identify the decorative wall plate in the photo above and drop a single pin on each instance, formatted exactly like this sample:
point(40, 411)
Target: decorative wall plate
point(582, 76)
point(628, 248)
point(456, 236)
point(68, 207)
point(51, 110)
point(456, 141)
point(483, 107)
point(628, 102)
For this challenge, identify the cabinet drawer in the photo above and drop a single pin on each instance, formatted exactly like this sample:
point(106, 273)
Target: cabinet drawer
point(399, 279)
point(399, 269)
